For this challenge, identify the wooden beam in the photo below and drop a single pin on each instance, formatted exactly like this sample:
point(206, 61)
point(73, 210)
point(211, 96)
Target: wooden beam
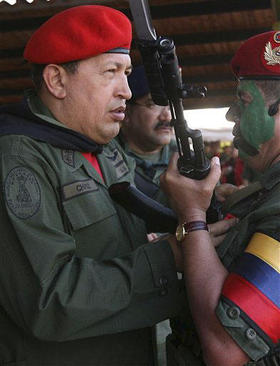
point(207, 7)
point(179, 39)
point(276, 11)
point(158, 12)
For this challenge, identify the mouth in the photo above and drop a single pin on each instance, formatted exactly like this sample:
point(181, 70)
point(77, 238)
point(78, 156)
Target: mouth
point(118, 113)
point(236, 130)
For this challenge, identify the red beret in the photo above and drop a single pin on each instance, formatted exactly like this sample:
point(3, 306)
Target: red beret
point(258, 57)
point(79, 33)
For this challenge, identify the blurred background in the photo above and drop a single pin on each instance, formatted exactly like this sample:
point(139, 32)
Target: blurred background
point(206, 33)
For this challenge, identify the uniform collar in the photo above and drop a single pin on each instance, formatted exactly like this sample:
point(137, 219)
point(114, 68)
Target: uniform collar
point(271, 176)
point(31, 118)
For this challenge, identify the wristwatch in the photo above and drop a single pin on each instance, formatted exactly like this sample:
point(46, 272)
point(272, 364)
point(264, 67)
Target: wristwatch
point(185, 228)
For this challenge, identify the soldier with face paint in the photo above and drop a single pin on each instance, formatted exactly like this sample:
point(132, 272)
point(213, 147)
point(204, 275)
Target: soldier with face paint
point(234, 291)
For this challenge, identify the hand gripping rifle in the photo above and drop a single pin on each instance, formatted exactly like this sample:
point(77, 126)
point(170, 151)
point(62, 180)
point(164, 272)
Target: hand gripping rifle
point(166, 87)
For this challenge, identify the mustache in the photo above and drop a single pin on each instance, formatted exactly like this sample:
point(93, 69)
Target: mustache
point(162, 124)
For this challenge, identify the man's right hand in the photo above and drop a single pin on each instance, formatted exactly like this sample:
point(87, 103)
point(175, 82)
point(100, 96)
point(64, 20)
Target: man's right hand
point(189, 198)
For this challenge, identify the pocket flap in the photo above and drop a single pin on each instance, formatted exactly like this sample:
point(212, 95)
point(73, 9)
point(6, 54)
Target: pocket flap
point(88, 209)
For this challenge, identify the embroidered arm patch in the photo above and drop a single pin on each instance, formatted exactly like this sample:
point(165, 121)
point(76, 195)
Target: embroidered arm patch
point(22, 192)
point(254, 285)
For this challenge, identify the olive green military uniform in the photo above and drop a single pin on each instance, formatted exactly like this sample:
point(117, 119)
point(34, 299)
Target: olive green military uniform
point(258, 208)
point(78, 286)
point(149, 168)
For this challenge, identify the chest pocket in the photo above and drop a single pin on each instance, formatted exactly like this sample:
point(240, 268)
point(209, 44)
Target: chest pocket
point(94, 223)
point(86, 210)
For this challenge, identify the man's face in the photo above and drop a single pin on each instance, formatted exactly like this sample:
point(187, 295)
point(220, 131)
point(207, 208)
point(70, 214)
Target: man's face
point(148, 125)
point(96, 96)
point(252, 120)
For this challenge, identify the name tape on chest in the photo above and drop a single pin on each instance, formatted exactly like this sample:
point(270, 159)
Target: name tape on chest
point(78, 188)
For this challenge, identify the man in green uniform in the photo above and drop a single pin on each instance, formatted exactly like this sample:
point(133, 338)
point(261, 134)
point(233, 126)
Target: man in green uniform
point(78, 284)
point(233, 293)
point(146, 135)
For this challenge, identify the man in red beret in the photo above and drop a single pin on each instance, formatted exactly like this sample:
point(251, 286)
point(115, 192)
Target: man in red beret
point(234, 292)
point(79, 285)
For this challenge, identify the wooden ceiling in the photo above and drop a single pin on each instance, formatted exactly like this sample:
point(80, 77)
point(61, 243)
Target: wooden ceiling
point(206, 35)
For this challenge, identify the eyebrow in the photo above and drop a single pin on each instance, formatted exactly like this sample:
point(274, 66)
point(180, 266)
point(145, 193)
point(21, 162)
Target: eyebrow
point(119, 65)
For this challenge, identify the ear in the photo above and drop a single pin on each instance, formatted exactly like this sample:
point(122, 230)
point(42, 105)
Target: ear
point(274, 108)
point(54, 77)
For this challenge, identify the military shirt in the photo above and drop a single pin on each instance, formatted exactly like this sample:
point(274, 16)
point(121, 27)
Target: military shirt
point(78, 284)
point(149, 169)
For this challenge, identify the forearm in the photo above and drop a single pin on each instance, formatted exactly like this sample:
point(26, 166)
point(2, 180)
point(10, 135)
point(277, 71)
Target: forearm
point(204, 272)
point(204, 277)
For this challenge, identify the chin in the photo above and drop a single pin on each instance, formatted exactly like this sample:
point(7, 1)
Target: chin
point(165, 140)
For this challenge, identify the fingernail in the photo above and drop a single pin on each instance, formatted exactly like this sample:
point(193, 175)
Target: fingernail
point(216, 160)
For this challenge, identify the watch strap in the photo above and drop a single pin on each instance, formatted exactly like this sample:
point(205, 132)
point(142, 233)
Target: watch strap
point(195, 225)
point(185, 228)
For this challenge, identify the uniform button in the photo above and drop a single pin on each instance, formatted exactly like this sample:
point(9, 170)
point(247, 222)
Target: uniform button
point(250, 334)
point(233, 312)
point(163, 281)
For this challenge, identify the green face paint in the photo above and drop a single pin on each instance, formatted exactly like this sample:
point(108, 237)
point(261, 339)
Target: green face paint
point(256, 125)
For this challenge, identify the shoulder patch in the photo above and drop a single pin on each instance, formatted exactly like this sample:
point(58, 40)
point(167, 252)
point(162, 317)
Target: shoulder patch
point(22, 192)
point(254, 283)
point(68, 157)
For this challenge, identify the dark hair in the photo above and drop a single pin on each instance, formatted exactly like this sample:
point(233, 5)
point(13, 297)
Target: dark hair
point(270, 89)
point(37, 72)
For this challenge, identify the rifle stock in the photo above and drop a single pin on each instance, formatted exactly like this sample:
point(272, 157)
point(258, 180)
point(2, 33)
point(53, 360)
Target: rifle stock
point(157, 217)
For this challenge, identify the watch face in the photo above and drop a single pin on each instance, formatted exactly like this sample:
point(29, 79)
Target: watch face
point(180, 232)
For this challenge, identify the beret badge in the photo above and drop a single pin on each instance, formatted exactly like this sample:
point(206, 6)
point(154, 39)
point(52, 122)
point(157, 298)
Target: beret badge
point(272, 55)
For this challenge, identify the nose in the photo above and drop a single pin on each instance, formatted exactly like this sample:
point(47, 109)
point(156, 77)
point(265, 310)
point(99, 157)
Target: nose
point(124, 90)
point(165, 114)
point(233, 114)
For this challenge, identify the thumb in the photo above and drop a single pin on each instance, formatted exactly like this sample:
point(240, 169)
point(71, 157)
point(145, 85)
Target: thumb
point(215, 172)
point(172, 165)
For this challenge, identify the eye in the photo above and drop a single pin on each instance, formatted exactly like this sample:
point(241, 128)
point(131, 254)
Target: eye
point(111, 70)
point(245, 102)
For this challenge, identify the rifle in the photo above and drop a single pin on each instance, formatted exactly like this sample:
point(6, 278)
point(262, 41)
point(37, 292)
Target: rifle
point(166, 87)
